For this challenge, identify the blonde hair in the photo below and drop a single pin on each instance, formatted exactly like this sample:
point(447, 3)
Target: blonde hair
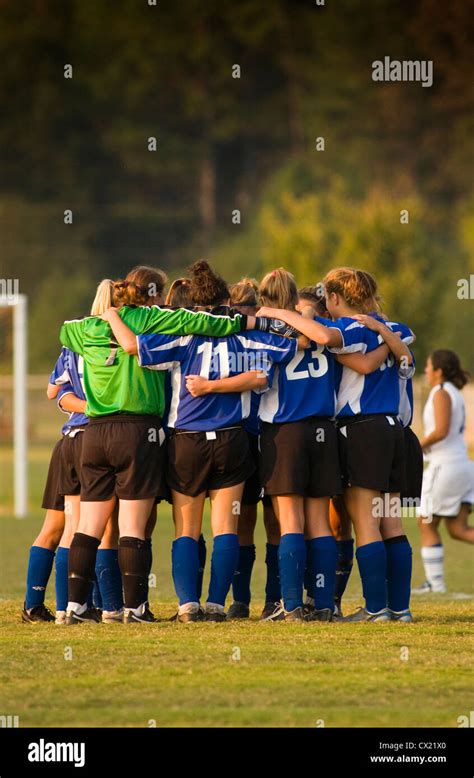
point(278, 290)
point(357, 287)
point(244, 293)
point(103, 297)
point(140, 284)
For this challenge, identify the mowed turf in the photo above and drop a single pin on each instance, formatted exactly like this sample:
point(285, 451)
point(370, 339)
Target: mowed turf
point(232, 674)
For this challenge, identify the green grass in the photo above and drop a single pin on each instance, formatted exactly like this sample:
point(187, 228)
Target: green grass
point(287, 675)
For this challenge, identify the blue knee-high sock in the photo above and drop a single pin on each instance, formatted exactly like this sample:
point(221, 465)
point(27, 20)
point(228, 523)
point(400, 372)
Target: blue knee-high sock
point(40, 565)
point(109, 579)
point(372, 561)
point(345, 560)
point(272, 587)
point(185, 565)
point(399, 565)
point(308, 578)
point(243, 574)
point(62, 560)
point(292, 562)
point(225, 557)
point(202, 551)
point(323, 569)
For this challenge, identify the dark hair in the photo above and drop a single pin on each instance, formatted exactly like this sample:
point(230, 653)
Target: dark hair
point(448, 361)
point(206, 287)
point(178, 294)
point(140, 284)
point(315, 296)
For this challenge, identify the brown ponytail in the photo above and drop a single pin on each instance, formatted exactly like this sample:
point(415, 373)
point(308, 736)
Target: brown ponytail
point(244, 293)
point(206, 287)
point(141, 284)
point(448, 362)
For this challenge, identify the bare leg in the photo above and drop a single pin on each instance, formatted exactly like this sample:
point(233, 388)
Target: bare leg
point(51, 531)
point(459, 528)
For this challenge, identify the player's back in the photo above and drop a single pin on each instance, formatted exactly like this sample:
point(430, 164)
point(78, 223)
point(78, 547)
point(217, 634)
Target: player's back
point(453, 446)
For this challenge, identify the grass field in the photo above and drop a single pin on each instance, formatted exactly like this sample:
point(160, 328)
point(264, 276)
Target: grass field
point(235, 674)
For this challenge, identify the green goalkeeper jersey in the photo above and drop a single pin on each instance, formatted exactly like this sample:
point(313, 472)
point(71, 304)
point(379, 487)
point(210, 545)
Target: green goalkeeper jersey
point(114, 382)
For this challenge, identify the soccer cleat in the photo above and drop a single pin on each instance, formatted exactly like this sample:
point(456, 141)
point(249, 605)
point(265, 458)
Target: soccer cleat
point(401, 615)
point(427, 588)
point(38, 613)
point(321, 614)
point(308, 607)
point(238, 610)
point(362, 614)
point(60, 617)
point(144, 615)
point(112, 617)
point(187, 613)
point(89, 616)
point(268, 609)
point(280, 614)
point(214, 612)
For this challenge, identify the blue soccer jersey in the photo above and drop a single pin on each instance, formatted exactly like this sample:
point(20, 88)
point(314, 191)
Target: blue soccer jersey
point(377, 392)
point(304, 387)
point(68, 374)
point(212, 358)
point(252, 422)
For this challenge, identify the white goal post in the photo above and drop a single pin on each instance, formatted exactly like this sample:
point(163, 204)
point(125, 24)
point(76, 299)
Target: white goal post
point(18, 302)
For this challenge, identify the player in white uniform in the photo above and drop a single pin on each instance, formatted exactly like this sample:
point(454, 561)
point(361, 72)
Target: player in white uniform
point(448, 480)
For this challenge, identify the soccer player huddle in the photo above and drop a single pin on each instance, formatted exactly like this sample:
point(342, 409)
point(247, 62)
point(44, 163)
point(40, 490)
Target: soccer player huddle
point(301, 399)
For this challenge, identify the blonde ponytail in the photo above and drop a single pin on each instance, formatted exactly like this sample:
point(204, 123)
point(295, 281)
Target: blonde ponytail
point(103, 297)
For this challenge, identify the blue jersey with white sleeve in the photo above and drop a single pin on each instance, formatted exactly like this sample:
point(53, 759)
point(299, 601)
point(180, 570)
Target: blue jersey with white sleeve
point(303, 387)
point(212, 358)
point(68, 373)
point(377, 392)
point(406, 406)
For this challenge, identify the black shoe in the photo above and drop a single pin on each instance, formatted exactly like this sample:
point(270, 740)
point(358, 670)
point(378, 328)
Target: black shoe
point(214, 615)
point(146, 617)
point(190, 616)
point(268, 609)
point(308, 608)
point(280, 614)
point(89, 616)
point(38, 613)
point(323, 614)
point(238, 610)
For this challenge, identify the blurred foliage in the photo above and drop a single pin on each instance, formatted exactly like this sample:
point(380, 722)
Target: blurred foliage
point(246, 143)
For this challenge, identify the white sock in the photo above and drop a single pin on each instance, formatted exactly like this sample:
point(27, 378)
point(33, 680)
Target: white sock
point(77, 607)
point(433, 562)
point(138, 611)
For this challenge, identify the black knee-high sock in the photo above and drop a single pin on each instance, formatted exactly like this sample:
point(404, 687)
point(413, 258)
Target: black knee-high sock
point(81, 566)
point(134, 560)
